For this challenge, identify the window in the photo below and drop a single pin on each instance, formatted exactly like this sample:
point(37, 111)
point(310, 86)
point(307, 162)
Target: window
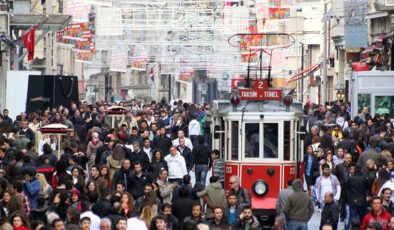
point(384, 105)
point(286, 140)
point(363, 100)
point(234, 138)
point(252, 140)
point(271, 140)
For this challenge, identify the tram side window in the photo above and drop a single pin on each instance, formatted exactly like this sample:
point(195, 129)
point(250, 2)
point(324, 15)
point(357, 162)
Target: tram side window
point(252, 140)
point(286, 140)
point(271, 140)
point(234, 138)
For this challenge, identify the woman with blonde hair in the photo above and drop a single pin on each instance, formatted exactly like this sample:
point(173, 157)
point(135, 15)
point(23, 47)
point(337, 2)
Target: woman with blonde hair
point(147, 215)
point(45, 189)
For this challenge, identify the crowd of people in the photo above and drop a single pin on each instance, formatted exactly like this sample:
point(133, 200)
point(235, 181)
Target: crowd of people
point(135, 175)
point(349, 171)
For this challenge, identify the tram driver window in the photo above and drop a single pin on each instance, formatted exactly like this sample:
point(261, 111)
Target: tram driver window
point(271, 140)
point(252, 140)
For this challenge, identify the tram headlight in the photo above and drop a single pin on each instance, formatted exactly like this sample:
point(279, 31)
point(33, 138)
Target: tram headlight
point(260, 188)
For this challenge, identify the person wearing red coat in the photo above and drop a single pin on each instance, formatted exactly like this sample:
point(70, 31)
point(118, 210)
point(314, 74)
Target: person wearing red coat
point(378, 215)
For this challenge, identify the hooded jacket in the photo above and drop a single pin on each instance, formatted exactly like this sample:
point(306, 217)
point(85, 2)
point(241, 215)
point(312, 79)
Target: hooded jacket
point(32, 189)
point(176, 166)
point(371, 218)
point(216, 197)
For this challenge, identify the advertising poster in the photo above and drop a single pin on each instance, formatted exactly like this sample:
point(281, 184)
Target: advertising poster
point(79, 10)
point(81, 37)
point(278, 13)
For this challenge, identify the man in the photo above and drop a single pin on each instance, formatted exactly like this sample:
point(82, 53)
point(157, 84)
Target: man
point(6, 121)
point(391, 223)
point(298, 207)
point(329, 214)
point(140, 156)
point(188, 142)
point(105, 224)
point(377, 215)
point(232, 211)
point(282, 197)
point(247, 220)
point(162, 142)
point(218, 222)
point(327, 182)
point(172, 221)
point(196, 216)
point(58, 224)
point(139, 179)
point(339, 157)
point(183, 206)
point(27, 131)
point(120, 187)
point(31, 186)
point(94, 173)
point(243, 195)
point(85, 223)
point(160, 222)
point(165, 188)
point(147, 148)
point(124, 174)
point(103, 206)
point(370, 153)
point(186, 153)
point(176, 166)
point(342, 173)
point(194, 130)
point(387, 203)
point(121, 224)
point(213, 196)
point(217, 165)
point(201, 155)
point(138, 206)
point(358, 193)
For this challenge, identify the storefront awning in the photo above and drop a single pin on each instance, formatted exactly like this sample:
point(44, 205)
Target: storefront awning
point(304, 73)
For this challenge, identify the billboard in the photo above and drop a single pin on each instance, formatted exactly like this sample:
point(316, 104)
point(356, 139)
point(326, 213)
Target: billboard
point(81, 37)
point(356, 30)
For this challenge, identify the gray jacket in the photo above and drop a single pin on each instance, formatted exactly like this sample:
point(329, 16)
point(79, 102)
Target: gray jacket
point(216, 197)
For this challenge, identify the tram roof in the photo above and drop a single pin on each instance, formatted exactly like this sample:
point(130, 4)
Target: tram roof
point(260, 107)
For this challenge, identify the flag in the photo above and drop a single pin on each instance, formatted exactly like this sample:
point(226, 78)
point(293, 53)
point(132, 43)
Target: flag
point(29, 40)
point(152, 74)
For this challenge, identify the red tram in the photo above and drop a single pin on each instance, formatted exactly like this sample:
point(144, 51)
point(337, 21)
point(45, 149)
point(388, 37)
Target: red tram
point(258, 132)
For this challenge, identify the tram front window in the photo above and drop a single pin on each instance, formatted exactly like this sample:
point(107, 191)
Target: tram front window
point(252, 140)
point(271, 140)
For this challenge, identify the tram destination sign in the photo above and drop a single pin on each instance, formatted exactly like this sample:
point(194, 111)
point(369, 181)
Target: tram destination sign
point(260, 92)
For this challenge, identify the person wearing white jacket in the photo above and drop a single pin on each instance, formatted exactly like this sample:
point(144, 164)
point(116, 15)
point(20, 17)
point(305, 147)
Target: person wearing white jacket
point(176, 166)
point(194, 130)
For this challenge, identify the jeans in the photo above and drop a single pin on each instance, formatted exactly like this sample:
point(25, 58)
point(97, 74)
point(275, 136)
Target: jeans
point(357, 212)
point(201, 173)
point(297, 225)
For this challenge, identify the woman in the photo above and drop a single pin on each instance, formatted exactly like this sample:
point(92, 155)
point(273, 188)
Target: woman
point(146, 215)
point(5, 202)
point(77, 175)
point(93, 145)
point(127, 205)
point(75, 199)
point(91, 192)
point(383, 176)
point(157, 164)
point(328, 159)
point(60, 204)
point(311, 165)
point(370, 172)
point(105, 175)
point(19, 222)
point(45, 189)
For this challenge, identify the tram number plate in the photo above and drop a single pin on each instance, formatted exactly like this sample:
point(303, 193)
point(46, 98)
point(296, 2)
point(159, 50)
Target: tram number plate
point(293, 170)
point(229, 169)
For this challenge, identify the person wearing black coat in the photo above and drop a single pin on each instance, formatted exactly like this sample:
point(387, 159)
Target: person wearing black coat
point(139, 156)
point(201, 155)
point(162, 142)
point(183, 206)
point(358, 191)
point(330, 212)
point(186, 153)
point(103, 206)
point(157, 164)
point(124, 174)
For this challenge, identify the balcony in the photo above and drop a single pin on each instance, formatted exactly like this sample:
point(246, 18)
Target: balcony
point(384, 5)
